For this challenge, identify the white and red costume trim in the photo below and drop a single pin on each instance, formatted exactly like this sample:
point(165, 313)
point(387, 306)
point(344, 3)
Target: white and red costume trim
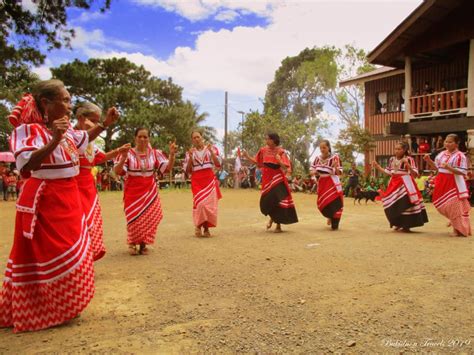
point(402, 201)
point(49, 278)
point(330, 194)
point(450, 195)
point(91, 157)
point(142, 203)
point(205, 187)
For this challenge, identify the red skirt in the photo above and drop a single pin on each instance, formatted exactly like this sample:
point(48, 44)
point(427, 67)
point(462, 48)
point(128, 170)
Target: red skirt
point(90, 203)
point(142, 209)
point(452, 204)
point(404, 206)
point(206, 195)
point(50, 277)
point(276, 200)
point(330, 197)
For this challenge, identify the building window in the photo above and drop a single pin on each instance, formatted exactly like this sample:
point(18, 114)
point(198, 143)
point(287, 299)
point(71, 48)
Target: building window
point(394, 101)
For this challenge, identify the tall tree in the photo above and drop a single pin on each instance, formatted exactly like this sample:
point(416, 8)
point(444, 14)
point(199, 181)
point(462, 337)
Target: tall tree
point(348, 101)
point(143, 100)
point(23, 29)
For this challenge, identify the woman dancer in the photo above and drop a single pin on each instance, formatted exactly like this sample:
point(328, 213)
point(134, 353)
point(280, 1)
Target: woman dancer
point(200, 162)
point(140, 195)
point(330, 193)
point(50, 277)
point(88, 115)
point(402, 200)
point(276, 200)
point(450, 195)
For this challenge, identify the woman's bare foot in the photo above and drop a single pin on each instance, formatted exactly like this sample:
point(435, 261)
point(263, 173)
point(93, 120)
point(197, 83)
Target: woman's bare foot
point(269, 224)
point(132, 249)
point(197, 232)
point(143, 249)
point(206, 233)
point(278, 228)
point(328, 222)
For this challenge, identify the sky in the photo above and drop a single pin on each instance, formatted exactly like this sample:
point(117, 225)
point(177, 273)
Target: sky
point(212, 46)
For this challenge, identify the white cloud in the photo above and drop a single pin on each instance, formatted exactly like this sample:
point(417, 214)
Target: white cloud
point(227, 16)
point(87, 16)
point(243, 60)
point(195, 10)
point(43, 71)
point(179, 28)
point(30, 6)
point(95, 43)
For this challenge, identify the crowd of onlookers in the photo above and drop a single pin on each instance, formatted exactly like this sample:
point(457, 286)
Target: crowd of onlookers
point(10, 182)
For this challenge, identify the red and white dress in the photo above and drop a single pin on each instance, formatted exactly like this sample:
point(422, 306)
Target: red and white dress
point(451, 195)
point(205, 187)
point(91, 157)
point(50, 277)
point(276, 200)
point(402, 200)
point(142, 203)
point(330, 194)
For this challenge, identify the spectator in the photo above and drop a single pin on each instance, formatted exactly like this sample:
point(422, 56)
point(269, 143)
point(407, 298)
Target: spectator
point(424, 146)
point(105, 181)
point(179, 179)
point(3, 171)
point(297, 184)
point(414, 145)
point(258, 177)
point(11, 180)
point(222, 177)
point(353, 180)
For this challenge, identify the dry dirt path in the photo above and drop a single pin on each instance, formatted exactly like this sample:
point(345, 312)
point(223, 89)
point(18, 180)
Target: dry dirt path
point(307, 290)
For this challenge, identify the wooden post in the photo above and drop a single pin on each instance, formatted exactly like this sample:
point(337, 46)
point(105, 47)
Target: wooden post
point(470, 81)
point(406, 117)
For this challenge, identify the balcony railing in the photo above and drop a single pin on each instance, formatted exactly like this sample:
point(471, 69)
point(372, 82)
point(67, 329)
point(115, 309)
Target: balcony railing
point(439, 104)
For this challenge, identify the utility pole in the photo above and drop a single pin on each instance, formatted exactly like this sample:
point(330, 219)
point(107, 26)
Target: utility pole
point(225, 126)
point(242, 124)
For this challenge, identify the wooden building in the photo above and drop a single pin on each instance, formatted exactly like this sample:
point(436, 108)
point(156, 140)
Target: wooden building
point(425, 85)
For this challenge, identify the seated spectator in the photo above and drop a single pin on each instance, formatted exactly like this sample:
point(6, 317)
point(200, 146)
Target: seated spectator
point(297, 184)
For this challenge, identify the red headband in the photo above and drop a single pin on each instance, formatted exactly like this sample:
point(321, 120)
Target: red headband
point(25, 112)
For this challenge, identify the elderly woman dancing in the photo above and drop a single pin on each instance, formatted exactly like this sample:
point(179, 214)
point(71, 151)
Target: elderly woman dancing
point(49, 278)
point(88, 115)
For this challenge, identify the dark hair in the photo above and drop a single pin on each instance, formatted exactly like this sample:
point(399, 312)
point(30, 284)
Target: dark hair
point(196, 131)
point(454, 136)
point(405, 147)
point(328, 144)
point(142, 129)
point(274, 137)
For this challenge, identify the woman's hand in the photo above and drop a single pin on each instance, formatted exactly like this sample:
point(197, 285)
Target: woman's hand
point(426, 157)
point(173, 148)
point(375, 164)
point(59, 127)
point(124, 148)
point(111, 117)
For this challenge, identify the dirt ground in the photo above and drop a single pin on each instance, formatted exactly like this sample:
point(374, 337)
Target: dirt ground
point(307, 290)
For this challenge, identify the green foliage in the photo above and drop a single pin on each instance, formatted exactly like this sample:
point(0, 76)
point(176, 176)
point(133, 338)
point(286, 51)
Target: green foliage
point(353, 139)
point(143, 100)
point(47, 24)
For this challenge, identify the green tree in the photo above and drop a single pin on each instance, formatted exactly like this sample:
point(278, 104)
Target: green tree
point(23, 30)
point(143, 100)
point(348, 101)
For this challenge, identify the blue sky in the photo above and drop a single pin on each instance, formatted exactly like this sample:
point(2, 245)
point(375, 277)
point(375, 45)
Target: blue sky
point(212, 46)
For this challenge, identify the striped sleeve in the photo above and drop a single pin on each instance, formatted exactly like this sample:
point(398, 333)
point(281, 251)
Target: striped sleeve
point(337, 164)
point(389, 167)
point(80, 138)
point(24, 140)
point(125, 165)
point(412, 163)
point(161, 161)
point(219, 158)
point(460, 163)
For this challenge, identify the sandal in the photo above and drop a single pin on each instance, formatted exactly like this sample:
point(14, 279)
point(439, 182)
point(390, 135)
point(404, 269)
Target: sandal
point(132, 249)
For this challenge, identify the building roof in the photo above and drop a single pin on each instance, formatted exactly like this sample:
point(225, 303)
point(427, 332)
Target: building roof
point(427, 16)
point(377, 73)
